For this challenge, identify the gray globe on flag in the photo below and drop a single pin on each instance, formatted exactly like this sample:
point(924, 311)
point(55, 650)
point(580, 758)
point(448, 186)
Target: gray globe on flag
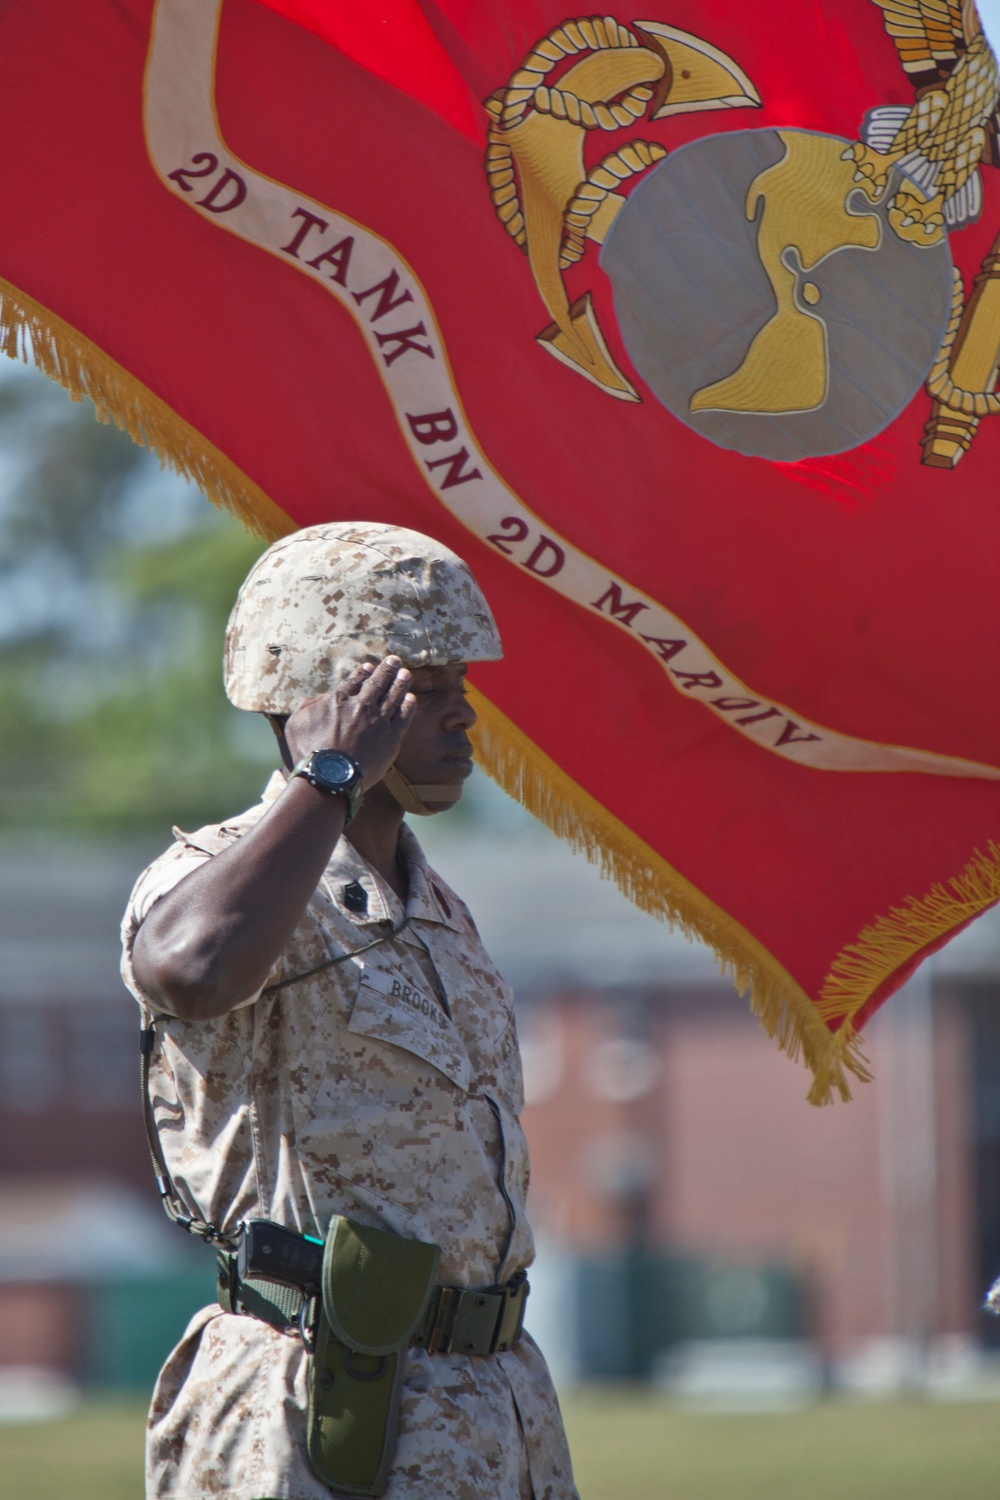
point(767, 301)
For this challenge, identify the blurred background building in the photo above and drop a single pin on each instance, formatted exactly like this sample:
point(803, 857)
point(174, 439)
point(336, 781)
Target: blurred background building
point(698, 1222)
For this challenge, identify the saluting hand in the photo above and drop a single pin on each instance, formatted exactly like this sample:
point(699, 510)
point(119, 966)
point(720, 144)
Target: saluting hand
point(365, 717)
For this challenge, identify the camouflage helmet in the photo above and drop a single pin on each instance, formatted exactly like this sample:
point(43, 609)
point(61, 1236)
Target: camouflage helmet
point(320, 601)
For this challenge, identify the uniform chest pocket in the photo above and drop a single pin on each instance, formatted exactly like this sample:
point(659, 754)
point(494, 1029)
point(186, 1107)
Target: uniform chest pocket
point(509, 1074)
point(390, 1097)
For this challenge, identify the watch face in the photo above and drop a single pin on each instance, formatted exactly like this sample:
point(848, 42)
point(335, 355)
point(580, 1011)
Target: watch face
point(332, 769)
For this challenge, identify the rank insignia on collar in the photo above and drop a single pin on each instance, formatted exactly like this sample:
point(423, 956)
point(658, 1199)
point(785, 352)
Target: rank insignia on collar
point(356, 897)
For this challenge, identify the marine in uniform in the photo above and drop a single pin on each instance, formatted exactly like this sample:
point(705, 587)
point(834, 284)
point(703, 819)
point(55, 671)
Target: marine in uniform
point(328, 1043)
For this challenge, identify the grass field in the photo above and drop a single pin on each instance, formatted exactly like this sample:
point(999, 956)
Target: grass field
point(637, 1448)
point(626, 1446)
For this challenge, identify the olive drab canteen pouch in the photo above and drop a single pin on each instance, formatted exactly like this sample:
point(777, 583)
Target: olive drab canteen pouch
point(376, 1289)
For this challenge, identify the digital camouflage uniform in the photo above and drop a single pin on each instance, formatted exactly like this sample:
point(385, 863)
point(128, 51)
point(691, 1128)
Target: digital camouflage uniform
point(387, 1088)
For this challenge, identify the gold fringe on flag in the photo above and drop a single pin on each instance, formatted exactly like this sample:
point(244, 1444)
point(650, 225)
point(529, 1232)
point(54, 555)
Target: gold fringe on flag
point(893, 941)
point(31, 332)
point(785, 1011)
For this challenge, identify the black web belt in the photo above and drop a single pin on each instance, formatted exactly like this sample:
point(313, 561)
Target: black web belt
point(485, 1320)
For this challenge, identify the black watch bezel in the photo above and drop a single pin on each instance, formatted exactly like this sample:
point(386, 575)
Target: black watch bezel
point(343, 779)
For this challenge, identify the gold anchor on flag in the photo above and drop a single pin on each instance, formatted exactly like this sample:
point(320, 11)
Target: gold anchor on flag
point(544, 195)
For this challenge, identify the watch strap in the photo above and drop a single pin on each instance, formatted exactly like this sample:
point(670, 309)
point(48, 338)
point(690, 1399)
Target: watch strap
point(352, 791)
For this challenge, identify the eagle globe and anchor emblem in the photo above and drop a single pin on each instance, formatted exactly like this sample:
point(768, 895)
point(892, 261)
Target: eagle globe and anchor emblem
point(784, 292)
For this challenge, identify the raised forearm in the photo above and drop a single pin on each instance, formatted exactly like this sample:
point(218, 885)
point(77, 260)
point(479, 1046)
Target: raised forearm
point(209, 944)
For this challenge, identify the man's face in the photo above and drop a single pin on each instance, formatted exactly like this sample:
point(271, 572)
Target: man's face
point(436, 748)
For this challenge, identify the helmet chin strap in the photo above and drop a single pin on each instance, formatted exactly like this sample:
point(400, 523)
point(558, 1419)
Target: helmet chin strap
point(414, 799)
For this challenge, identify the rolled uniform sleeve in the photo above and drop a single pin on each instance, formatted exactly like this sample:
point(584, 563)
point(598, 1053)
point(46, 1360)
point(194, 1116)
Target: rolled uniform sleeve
point(173, 866)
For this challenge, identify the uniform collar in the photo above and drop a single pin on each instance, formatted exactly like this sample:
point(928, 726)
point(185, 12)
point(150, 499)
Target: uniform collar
point(426, 900)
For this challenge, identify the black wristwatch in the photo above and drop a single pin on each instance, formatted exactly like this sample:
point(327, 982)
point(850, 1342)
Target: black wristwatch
point(334, 772)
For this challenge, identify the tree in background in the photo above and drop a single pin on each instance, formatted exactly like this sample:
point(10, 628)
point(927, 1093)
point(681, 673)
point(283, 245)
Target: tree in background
point(116, 580)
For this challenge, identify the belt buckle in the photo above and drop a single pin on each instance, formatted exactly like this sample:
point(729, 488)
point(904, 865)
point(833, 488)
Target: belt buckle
point(511, 1319)
point(441, 1329)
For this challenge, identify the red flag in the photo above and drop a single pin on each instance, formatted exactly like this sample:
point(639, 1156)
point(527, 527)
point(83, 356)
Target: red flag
point(681, 324)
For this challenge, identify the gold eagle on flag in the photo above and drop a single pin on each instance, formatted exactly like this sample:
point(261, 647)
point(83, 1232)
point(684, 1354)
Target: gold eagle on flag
point(938, 141)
